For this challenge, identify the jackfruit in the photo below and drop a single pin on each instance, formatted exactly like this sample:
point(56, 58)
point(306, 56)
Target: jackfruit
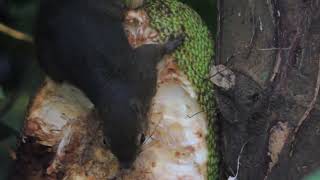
point(194, 58)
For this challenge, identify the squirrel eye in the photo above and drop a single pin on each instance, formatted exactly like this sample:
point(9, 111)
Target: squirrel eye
point(142, 138)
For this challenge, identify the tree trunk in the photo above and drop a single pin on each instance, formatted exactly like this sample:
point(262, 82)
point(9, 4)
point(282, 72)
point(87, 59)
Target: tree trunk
point(273, 48)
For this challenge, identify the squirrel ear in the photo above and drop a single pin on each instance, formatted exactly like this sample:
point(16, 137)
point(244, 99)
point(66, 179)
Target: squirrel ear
point(173, 43)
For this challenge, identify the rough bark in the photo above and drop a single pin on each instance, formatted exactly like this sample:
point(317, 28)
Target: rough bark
point(273, 48)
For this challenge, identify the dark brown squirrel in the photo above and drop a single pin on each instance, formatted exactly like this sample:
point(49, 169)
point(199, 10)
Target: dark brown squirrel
point(83, 43)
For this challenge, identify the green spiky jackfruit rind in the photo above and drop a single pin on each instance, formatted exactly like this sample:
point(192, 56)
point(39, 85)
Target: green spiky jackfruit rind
point(194, 58)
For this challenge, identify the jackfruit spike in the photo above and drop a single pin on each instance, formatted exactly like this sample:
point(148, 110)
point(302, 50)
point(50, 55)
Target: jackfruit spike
point(194, 58)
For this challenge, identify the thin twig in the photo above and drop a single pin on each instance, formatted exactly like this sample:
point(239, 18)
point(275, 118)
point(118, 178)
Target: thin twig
point(307, 112)
point(194, 114)
point(149, 137)
point(215, 74)
point(152, 133)
point(276, 67)
point(232, 56)
point(254, 30)
point(272, 49)
point(312, 103)
point(15, 34)
point(238, 162)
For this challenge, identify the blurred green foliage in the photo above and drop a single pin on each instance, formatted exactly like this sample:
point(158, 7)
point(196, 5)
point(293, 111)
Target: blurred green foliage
point(22, 14)
point(314, 176)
